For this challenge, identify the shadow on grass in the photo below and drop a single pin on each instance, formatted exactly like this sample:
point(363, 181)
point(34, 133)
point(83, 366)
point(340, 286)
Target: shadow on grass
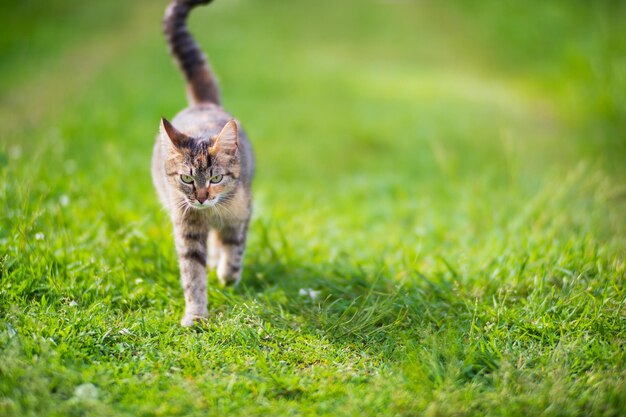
point(421, 323)
point(344, 301)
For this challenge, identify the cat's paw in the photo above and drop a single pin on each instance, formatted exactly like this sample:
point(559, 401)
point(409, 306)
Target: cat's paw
point(189, 319)
point(228, 276)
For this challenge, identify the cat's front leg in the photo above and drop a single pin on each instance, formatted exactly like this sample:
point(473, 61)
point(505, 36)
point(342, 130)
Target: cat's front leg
point(190, 233)
point(232, 239)
point(215, 248)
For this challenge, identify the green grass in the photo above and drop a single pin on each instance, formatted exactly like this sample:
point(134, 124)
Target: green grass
point(449, 177)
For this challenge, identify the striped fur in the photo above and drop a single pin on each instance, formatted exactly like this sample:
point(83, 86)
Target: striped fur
point(210, 218)
point(201, 84)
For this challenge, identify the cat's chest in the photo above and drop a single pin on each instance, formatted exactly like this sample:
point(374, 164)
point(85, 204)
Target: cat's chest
point(237, 208)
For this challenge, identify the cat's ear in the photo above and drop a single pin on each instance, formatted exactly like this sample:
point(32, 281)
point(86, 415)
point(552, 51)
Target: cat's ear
point(178, 139)
point(227, 141)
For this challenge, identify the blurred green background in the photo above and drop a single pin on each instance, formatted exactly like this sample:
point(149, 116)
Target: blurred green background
point(448, 175)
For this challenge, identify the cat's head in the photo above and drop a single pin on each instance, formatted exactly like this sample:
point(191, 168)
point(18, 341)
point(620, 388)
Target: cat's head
point(203, 172)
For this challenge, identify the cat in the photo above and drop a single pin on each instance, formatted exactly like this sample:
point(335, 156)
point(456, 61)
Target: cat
point(202, 169)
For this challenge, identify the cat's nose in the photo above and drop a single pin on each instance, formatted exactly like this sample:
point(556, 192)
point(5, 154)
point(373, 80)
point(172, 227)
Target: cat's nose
point(202, 197)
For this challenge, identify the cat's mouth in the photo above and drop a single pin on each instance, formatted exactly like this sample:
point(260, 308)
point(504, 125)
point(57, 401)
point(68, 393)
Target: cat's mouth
point(204, 205)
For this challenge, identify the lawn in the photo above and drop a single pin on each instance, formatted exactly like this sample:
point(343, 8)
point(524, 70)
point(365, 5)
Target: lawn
point(439, 222)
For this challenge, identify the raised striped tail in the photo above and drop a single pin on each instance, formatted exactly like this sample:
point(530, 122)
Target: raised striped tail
point(201, 84)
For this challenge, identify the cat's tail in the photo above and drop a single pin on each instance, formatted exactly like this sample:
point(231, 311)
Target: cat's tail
point(201, 83)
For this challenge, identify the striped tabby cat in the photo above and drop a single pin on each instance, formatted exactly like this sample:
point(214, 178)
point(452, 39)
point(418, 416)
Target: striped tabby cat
point(202, 169)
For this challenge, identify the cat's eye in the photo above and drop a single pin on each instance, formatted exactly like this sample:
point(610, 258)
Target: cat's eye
point(187, 179)
point(216, 179)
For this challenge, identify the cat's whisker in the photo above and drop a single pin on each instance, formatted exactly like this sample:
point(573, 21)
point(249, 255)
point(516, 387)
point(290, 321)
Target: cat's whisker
point(181, 204)
point(187, 208)
point(224, 208)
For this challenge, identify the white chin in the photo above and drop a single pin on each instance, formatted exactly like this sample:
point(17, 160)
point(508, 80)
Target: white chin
point(207, 204)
